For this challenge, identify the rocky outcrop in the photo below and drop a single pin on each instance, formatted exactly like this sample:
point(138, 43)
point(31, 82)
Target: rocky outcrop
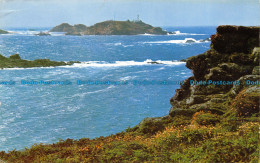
point(220, 84)
point(110, 28)
point(221, 73)
point(230, 39)
point(3, 32)
point(43, 34)
point(15, 61)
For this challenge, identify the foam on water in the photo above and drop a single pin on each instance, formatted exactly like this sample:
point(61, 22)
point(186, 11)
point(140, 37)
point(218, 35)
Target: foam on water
point(32, 33)
point(122, 63)
point(106, 64)
point(186, 40)
point(180, 33)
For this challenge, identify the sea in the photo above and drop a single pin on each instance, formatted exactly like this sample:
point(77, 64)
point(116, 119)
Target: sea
point(119, 81)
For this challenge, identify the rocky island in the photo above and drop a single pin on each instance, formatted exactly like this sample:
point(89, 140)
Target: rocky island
point(15, 61)
point(110, 28)
point(43, 34)
point(207, 122)
point(3, 32)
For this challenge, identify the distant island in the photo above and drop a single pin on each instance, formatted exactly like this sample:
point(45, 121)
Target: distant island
point(110, 27)
point(3, 32)
point(15, 61)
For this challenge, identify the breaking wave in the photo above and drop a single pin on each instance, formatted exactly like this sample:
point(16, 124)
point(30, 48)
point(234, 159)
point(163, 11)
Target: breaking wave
point(180, 33)
point(186, 40)
point(109, 64)
point(123, 63)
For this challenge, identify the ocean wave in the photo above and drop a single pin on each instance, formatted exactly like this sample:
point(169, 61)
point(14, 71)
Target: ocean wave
point(27, 33)
point(33, 33)
point(107, 64)
point(127, 46)
point(146, 34)
point(127, 78)
point(179, 33)
point(186, 40)
point(123, 63)
point(29, 68)
point(57, 33)
point(118, 43)
point(82, 95)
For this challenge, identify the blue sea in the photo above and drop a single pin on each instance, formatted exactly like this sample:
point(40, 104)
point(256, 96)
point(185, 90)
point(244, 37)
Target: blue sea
point(119, 85)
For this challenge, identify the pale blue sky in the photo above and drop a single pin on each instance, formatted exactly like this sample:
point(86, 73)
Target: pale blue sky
point(48, 13)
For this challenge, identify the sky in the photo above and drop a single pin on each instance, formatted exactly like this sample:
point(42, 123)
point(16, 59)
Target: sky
point(49, 13)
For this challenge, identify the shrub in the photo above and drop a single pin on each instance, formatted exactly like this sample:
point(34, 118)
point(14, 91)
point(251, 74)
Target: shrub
point(15, 56)
point(246, 103)
point(205, 118)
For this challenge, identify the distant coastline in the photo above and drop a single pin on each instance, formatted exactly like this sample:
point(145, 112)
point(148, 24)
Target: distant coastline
point(15, 61)
point(3, 32)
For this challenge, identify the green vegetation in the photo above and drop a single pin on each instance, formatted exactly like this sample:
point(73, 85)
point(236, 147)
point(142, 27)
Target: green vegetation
point(110, 28)
point(3, 32)
point(15, 61)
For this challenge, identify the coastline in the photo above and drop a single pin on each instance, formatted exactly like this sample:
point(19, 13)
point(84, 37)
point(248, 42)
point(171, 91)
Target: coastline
point(15, 61)
point(190, 121)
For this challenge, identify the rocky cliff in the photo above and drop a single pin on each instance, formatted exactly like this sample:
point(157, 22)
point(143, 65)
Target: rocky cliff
point(110, 28)
point(220, 81)
point(222, 74)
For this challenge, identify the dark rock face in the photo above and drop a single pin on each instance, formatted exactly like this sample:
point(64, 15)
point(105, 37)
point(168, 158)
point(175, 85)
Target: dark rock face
point(230, 39)
point(233, 58)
